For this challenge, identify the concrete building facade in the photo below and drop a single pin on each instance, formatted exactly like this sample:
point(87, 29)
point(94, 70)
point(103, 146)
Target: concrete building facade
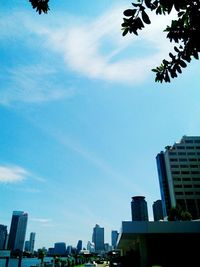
point(168, 244)
point(179, 175)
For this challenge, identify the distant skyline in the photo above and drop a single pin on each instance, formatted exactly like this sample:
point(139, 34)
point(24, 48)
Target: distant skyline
point(81, 118)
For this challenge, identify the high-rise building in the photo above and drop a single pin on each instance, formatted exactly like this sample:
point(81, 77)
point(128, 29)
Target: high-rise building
point(27, 246)
point(139, 209)
point(17, 231)
point(31, 242)
point(79, 246)
point(157, 210)
point(3, 236)
point(60, 248)
point(114, 237)
point(90, 247)
point(98, 238)
point(179, 175)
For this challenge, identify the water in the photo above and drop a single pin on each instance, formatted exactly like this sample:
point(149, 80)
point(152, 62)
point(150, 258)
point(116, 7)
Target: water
point(26, 262)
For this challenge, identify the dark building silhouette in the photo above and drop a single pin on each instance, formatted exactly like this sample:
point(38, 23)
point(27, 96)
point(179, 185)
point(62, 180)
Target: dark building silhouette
point(3, 236)
point(114, 237)
point(139, 209)
point(17, 231)
point(60, 248)
point(79, 246)
point(98, 238)
point(157, 210)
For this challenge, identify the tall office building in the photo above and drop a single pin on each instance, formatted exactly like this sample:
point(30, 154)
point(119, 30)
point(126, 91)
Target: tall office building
point(27, 246)
point(98, 238)
point(17, 231)
point(139, 209)
point(60, 248)
point(79, 246)
point(31, 242)
point(114, 237)
point(3, 236)
point(157, 210)
point(179, 175)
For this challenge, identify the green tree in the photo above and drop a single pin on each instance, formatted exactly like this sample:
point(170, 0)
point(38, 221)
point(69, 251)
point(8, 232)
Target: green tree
point(178, 214)
point(41, 255)
point(184, 31)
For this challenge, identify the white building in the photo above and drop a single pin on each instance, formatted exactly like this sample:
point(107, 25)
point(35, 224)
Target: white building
point(179, 175)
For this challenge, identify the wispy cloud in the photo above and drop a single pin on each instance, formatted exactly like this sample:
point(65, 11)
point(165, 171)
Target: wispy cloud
point(12, 174)
point(92, 48)
point(41, 220)
point(82, 47)
point(33, 84)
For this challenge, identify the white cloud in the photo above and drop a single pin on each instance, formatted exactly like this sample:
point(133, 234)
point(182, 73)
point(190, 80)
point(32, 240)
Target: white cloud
point(93, 48)
point(12, 174)
point(41, 220)
point(82, 47)
point(33, 84)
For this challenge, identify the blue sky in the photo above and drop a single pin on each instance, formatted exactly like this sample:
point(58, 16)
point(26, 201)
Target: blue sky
point(81, 118)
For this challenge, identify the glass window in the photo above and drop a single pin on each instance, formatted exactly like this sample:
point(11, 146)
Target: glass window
point(182, 159)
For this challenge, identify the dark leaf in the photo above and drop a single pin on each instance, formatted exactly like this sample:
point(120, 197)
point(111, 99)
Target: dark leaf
point(182, 63)
point(145, 17)
point(129, 12)
point(125, 32)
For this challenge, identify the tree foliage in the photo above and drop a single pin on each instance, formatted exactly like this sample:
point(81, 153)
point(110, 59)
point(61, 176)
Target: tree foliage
point(178, 214)
point(41, 6)
point(184, 31)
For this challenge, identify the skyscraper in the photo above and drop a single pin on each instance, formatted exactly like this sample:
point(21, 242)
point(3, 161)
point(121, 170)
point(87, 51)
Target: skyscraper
point(31, 242)
point(3, 236)
point(114, 237)
point(157, 210)
point(98, 238)
point(60, 248)
point(17, 231)
point(139, 209)
point(79, 246)
point(179, 175)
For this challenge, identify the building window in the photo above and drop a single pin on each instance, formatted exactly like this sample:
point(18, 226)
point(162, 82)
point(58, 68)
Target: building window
point(182, 159)
point(175, 172)
point(172, 159)
point(192, 159)
point(174, 166)
point(172, 153)
point(182, 153)
point(184, 166)
point(193, 166)
point(180, 147)
point(185, 172)
point(186, 179)
point(188, 141)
